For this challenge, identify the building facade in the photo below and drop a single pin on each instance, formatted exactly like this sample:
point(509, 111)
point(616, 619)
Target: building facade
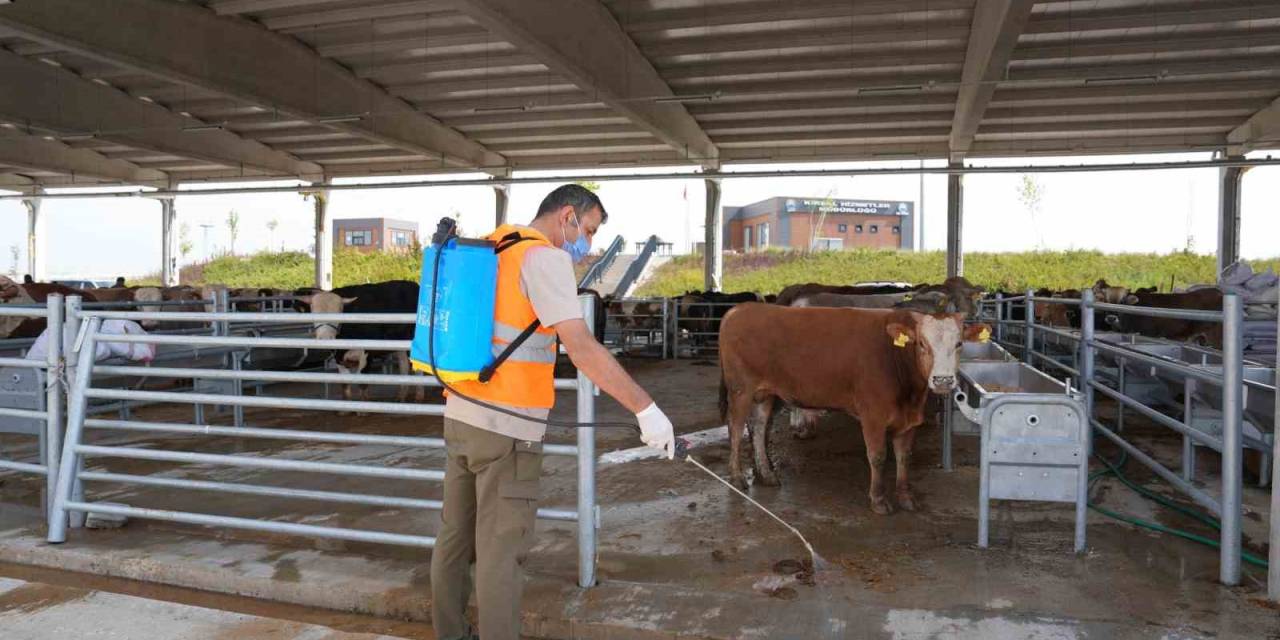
point(374, 234)
point(842, 224)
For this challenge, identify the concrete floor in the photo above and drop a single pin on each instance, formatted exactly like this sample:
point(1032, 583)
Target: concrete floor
point(680, 556)
point(43, 611)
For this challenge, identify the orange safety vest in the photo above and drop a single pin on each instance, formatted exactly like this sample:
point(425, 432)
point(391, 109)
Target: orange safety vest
point(527, 378)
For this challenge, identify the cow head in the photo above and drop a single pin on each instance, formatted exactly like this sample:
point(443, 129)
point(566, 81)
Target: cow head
point(934, 340)
point(1103, 292)
point(325, 302)
point(353, 361)
point(9, 289)
point(147, 299)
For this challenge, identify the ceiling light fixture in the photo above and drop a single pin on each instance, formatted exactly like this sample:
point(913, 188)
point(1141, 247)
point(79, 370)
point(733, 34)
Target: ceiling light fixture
point(905, 88)
point(699, 97)
point(77, 137)
point(504, 109)
point(340, 119)
point(203, 127)
point(1122, 79)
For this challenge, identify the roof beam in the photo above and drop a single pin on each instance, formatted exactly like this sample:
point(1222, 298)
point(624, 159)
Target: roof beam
point(38, 154)
point(190, 45)
point(605, 63)
point(56, 100)
point(994, 34)
point(1261, 130)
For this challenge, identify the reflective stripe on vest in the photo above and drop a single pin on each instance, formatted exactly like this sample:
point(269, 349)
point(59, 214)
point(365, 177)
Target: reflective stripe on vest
point(538, 347)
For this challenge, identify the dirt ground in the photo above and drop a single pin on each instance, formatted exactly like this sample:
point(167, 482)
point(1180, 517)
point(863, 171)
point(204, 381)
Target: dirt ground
point(668, 524)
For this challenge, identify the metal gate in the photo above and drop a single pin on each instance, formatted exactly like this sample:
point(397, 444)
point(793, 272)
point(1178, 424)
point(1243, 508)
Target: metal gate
point(70, 505)
point(31, 395)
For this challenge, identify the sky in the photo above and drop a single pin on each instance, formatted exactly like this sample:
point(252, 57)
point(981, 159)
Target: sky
point(1145, 211)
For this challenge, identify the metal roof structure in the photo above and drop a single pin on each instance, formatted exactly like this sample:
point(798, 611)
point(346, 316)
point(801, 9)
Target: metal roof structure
point(153, 92)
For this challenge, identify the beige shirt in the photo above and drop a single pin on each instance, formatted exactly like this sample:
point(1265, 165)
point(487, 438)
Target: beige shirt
point(546, 277)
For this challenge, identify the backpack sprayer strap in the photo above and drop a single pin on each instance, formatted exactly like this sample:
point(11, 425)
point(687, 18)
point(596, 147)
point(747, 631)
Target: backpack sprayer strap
point(487, 373)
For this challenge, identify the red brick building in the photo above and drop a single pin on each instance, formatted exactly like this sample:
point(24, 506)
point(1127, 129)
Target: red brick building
point(374, 234)
point(789, 222)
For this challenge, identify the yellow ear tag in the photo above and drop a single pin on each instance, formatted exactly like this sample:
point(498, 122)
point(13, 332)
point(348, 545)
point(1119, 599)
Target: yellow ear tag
point(984, 335)
point(906, 298)
point(901, 340)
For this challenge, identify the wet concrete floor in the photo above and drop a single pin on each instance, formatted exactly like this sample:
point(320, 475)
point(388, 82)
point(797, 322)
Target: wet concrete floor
point(680, 555)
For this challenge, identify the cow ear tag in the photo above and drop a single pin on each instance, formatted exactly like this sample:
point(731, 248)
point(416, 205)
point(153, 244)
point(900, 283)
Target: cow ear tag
point(901, 340)
point(984, 335)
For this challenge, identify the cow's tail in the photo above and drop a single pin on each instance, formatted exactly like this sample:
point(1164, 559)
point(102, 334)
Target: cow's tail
point(724, 398)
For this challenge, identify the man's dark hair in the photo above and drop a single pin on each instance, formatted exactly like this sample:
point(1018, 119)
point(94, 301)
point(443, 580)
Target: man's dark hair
point(577, 196)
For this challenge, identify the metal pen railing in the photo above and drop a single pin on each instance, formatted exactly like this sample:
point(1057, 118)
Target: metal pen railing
point(1224, 370)
point(636, 268)
point(69, 504)
point(42, 395)
point(625, 327)
point(597, 270)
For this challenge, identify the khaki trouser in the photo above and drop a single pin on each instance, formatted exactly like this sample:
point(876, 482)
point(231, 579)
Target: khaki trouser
point(490, 505)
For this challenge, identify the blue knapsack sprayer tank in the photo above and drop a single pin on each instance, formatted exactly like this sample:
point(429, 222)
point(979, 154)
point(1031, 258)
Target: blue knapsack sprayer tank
point(464, 286)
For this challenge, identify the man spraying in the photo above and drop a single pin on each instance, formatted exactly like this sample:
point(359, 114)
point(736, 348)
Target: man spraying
point(494, 457)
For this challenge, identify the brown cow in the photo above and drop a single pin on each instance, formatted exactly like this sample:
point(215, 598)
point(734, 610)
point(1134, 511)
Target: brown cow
point(877, 365)
point(791, 292)
point(30, 294)
point(1053, 314)
point(1206, 333)
point(805, 421)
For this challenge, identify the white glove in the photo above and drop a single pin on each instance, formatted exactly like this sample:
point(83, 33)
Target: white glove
point(656, 430)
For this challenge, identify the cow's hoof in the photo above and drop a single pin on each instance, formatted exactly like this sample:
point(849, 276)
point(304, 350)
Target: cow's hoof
point(802, 434)
point(741, 483)
point(881, 506)
point(906, 502)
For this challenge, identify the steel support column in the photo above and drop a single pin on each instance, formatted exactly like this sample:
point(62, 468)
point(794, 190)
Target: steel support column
point(501, 196)
point(324, 245)
point(1273, 562)
point(169, 268)
point(1229, 184)
point(36, 227)
point(955, 224)
point(713, 247)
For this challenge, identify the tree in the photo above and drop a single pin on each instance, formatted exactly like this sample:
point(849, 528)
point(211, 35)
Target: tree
point(271, 232)
point(589, 185)
point(233, 226)
point(184, 240)
point(1031, 194)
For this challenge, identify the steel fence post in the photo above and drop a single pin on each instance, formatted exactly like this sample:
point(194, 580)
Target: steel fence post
point(1232, 417)
point(54, 372)
point(1028, 325)
point(66, 487)
point(1273, 565)
point(586, 469)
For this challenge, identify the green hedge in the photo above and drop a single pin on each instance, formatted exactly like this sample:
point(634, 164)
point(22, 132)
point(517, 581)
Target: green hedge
point(770, 271)
point(767, 271)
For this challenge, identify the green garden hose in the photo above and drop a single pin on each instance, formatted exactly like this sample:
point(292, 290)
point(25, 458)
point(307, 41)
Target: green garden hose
point(1113, 469)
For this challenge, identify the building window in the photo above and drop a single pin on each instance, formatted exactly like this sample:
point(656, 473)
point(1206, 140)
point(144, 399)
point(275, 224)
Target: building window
point(843, 228)
point(897, 230)
point(762, 234)
point(399, 238)
point(875, 228)
point(857, 228)
point(746, 236)
point(357, 238)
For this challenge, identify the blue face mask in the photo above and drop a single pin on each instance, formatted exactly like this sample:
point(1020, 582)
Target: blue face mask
point(578, 249)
